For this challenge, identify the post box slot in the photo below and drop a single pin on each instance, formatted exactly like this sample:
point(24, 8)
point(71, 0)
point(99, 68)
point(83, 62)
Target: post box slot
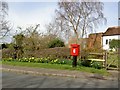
point(74, 46)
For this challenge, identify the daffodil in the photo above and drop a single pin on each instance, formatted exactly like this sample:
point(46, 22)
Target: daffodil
point(32, 58)
point(10, 58)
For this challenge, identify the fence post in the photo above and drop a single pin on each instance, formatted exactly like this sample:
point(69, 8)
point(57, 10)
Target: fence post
point(103, 59)
point(106, 59)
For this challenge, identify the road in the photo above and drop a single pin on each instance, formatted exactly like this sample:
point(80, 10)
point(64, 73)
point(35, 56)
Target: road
point(19, 80)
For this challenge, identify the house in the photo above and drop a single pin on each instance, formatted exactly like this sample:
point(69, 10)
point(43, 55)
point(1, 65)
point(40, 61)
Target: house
point(99, 40)
point(110, 34)
point(94, 40)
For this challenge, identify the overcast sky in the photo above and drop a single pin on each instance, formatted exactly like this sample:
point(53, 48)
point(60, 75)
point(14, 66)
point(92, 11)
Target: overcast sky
point(30, 13)
point(24, 14)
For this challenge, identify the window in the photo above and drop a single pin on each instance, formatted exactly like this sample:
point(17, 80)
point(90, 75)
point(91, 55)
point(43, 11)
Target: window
point(106, 41)
point(110, 40)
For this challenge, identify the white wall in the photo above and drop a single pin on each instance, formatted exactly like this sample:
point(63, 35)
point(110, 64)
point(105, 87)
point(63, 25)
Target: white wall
point(106, 46)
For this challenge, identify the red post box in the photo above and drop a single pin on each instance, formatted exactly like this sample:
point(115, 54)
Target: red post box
point(74, 49)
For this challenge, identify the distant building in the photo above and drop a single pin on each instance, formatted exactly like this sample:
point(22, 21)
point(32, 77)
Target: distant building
point(110, 34)
point(99, 40)
point(95, 41)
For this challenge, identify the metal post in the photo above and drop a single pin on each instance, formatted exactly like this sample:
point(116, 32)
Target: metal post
point(74, 63)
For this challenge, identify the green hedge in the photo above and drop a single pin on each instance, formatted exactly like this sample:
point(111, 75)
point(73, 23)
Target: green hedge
point(56, 43)
point(53, 53)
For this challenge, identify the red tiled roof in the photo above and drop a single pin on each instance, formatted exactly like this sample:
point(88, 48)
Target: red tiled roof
point(112, 31)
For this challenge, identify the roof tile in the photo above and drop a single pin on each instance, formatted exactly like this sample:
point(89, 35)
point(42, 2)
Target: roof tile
point(112, 31)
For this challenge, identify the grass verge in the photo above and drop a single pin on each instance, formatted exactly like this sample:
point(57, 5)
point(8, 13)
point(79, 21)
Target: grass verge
point(57, 66)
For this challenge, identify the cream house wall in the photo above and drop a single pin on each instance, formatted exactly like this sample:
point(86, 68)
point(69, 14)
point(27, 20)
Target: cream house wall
point(106, 40)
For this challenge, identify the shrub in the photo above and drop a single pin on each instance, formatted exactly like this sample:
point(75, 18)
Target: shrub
point(52, 53)
point(4, 46)
point(86, 63)
point(114, 44)
point(56, 43)
point(7, 53)
point(97, 65)
point(85, 53)
point(79, 62)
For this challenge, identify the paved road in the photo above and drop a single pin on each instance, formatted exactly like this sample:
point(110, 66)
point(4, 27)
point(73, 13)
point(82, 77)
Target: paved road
point(19, 80)
point(0, 79)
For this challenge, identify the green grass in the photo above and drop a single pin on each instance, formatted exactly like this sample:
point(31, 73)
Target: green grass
point(56, 66)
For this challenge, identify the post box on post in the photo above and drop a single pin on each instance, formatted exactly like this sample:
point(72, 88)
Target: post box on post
point(74, 51)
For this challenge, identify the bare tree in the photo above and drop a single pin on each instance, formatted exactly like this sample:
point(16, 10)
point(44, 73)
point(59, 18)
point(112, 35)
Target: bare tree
point(80, 17)
point(31, 36)
point(55, 27)
point(52, 28)
point(4, 27)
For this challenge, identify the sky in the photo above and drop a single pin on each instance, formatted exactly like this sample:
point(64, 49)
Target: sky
point(28, 13)
point(24, 14)
point(119, 13)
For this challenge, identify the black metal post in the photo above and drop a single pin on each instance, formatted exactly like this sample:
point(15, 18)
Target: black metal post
point(74, 63)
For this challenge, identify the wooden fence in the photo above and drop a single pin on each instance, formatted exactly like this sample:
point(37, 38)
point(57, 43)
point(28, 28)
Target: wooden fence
point(101, 57)
point(106, 58)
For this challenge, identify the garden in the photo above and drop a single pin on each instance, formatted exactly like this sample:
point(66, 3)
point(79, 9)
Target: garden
point(96, 65)
point(48, 51)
